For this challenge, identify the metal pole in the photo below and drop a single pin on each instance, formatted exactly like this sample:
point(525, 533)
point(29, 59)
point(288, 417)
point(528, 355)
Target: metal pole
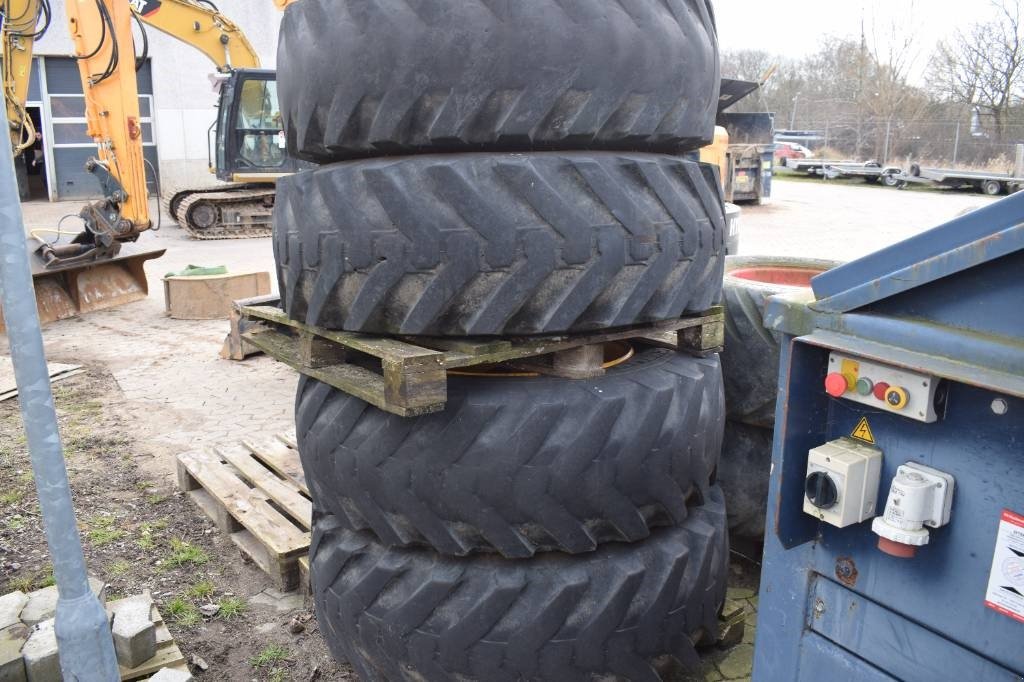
point(956, 142)
point(792, 115)
point(83, 633)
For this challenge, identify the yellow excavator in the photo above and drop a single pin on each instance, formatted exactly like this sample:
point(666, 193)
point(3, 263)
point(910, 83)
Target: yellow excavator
point(100, 267)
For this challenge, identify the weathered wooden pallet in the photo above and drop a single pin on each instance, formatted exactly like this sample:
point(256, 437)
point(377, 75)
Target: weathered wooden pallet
point(168, 655)
point(235, 348)
point(256, 494)
point(408, 376)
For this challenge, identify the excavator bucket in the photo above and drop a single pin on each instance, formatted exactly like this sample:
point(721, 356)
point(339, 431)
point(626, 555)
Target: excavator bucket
point(64, 291)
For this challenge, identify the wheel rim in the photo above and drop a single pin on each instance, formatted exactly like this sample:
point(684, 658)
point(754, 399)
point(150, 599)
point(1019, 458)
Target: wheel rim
point(615, 353)
point(774, 274)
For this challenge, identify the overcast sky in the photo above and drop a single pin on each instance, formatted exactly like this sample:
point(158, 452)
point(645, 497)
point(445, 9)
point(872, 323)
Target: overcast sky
point(794, 28)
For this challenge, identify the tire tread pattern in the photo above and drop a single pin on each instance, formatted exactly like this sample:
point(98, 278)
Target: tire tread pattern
point(625, 611)
point(384, 77)
point(503, 244)
point(520, 465)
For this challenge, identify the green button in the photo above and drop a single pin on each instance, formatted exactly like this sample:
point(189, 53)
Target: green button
point(864, 386)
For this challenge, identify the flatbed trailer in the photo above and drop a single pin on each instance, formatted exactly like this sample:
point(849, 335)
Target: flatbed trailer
point(813, 166)
point(870, 172)
point(986, 182)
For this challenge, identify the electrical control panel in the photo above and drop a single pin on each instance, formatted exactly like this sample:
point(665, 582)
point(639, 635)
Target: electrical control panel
point(897, 390)
point(841, 487)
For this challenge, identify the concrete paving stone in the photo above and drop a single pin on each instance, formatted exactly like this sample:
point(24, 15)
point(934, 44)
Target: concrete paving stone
point(753, 602)
point(171, 675)
point(42, 604)
point(12, 665)
point(42, 664)
point(738, 663)
point(11, 605)
point(739, 593)
point(282, 602)
point(709, 673)
point(134, 632)
point(751, 619)
point(749, 633)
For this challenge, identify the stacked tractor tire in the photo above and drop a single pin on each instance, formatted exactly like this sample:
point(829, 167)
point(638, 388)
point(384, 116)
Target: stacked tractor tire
point(509, 168)
point(750, 366)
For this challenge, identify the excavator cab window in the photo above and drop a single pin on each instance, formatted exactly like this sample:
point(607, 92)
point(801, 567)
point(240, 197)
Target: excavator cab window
point(259, 135)
point(250, 139)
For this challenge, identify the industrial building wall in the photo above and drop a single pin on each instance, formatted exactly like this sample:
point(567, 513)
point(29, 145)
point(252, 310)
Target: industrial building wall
point(183, 96)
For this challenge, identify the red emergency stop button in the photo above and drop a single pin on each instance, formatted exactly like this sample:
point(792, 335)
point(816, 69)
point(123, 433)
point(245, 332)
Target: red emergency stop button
point(836, 385)
point(880, 388)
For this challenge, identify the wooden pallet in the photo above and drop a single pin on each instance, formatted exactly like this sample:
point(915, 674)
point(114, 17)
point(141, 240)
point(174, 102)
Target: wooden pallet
point(255, 493)
point(168, 655)
point(408, 376)
point(235, 348)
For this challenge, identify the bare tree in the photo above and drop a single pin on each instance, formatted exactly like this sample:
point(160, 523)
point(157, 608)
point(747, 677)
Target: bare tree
point(983, 65)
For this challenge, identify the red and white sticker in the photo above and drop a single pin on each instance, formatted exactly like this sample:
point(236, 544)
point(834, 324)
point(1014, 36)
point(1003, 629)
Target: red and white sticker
point(1006, 580)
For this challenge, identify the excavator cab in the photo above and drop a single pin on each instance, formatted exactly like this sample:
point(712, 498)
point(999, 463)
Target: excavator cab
point(250, 145)
point(249, 152)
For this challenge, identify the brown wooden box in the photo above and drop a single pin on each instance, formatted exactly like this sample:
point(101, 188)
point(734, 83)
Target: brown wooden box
point(209, 297)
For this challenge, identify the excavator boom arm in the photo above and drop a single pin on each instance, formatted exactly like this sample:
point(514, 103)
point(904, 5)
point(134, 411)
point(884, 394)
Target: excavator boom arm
point(21, 26)
point(202, 27)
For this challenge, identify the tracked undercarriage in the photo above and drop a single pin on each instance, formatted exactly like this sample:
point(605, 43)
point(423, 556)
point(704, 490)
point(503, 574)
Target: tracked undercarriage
point(227, 212)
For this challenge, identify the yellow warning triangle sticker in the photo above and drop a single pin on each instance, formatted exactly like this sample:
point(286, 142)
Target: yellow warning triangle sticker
point(863, 432)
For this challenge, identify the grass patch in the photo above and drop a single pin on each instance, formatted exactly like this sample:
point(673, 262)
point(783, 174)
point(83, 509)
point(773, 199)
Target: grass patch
point(232, 607)
point(12, 496)
point(201, 590)
point(270, 655)
point(103, 531)
point(183, 612)
point(185, 554)
point(16, 522)
point(119, 567)
point(156, 498)
point(277, 675)
point(23, 583)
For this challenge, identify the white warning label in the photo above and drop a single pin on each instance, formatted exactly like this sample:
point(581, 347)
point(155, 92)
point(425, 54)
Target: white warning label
point(1006, 581)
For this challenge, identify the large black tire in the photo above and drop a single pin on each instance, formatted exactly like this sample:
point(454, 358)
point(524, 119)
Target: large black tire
point(626, 611)
point(365, 78)
point(743, 472)
point(750, 361)
point(520, 465)
point(499, 244)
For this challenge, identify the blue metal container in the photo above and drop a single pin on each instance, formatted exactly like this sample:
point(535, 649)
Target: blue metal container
point(948, 306)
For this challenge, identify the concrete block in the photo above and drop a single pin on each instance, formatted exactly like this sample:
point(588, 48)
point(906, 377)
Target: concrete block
point(12, 666)
point(42, 664)
point(10, 608)
point(171, 675)
point(42, 604)
point(134, 632)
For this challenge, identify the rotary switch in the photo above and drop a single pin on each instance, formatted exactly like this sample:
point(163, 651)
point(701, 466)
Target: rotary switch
point(821, 490)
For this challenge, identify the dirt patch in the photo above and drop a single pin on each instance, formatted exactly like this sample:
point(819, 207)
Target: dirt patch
point(141, 534)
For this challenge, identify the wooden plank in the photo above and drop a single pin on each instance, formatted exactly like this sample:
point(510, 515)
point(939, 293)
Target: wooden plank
point(305, 582)
point(215, 511)
point(289, 438)
point(283, 492)
point(284, 571)
point(281, 456)
point(247, 505)
point(352, 379)
point(378, 346)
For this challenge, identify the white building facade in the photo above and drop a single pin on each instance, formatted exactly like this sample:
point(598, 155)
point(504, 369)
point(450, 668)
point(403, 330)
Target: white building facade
point(177, 101)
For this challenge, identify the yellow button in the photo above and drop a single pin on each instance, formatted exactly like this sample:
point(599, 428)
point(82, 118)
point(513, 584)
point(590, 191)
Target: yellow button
point(896, 397)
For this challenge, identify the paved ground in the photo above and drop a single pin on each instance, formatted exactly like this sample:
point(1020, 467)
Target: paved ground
point(183, 396)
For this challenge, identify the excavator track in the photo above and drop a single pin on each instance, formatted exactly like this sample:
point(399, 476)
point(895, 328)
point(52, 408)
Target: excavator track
point(229, 212)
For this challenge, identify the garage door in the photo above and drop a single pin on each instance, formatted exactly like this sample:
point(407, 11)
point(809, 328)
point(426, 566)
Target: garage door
point(70, 144)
